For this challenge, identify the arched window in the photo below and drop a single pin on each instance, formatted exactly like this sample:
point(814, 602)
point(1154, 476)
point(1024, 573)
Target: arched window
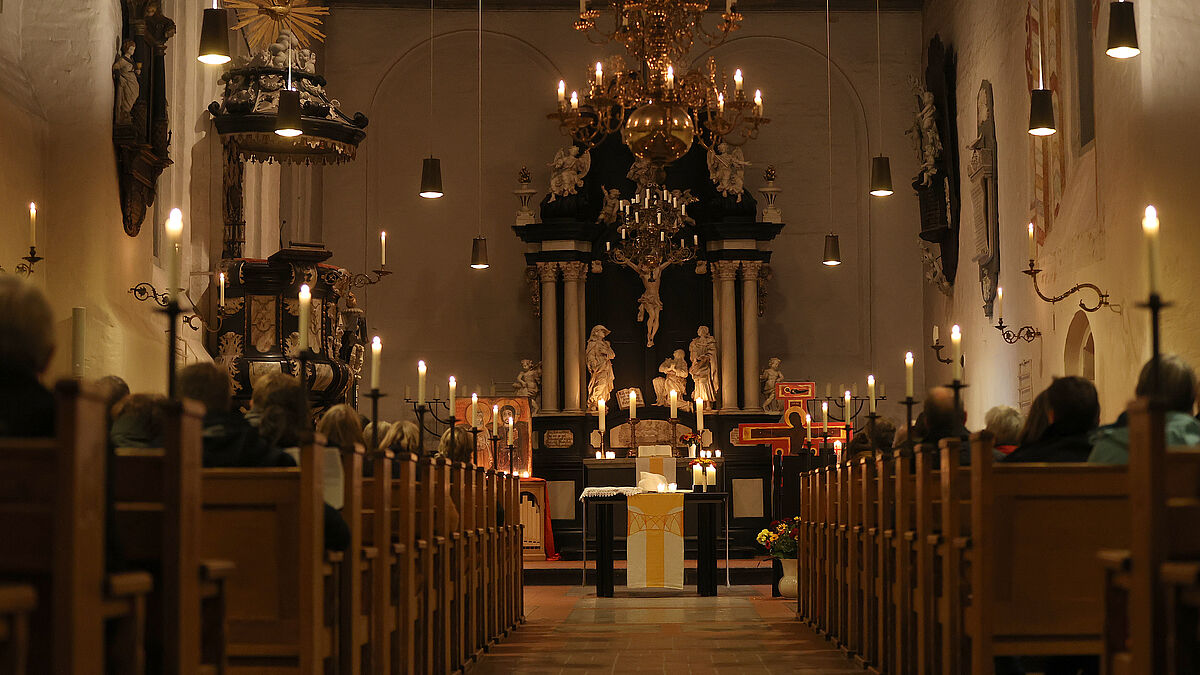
point(1080, 354)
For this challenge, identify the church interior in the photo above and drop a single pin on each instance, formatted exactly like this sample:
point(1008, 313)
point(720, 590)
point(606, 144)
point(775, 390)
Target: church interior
point(496, 336)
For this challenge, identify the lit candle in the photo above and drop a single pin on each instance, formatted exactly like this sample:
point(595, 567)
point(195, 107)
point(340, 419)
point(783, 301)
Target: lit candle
point(453, 386)
point(1000, 303)
point(1032, 245)
point(728, 6)
point(697, 475)
point(32, 224)
point(674, 404)
point(672, 487)
point(382, 248)
point(807, 426)
point(956, 351)
point(603, 415)
point(420, 383)
point(632, 405)
point(221, 291)
point(599, 73)
point(599, 455)
point(758, 104)
point(871, 391)
point(474, 410)
point(670, 77)
point(574, 100)
point(737, 79)
point(710, 477)
point(509, 423)
point(610, 455)
point(496, 421)
point(936, 334)
point(846, 417)
point(699, 415)
point(662, 487)
point(837, 449)
point(376, 351)
point(721, 103)
point(825, 416)
point(718, 452)
point(1150, 228)
point(908, 374)
point(562, 92)
point(305, 311)
point(582, 6)
point(175, 249)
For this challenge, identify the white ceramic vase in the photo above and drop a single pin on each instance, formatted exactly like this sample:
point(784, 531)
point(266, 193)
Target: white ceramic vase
point(789, 582)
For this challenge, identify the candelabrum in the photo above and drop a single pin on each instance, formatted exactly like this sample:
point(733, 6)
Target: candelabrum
point(845, 418)
point(25, 269)
point(431, 407)
point(1026, 333)
point(1102, 300)
point(360, 280)
point(649, 229)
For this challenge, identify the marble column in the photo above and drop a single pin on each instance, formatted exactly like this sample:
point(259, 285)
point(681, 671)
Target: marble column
point(716, 305)
point(750, 383)
point(573, 275)
point(726, 273)
point(548, 273)
point(583, 336)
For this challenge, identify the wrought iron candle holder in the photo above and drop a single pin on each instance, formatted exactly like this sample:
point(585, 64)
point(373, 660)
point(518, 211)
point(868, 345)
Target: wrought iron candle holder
point(145, 292)
point(25, 269)
point(1101, 302)
point(430, 408)
point(495, 449)
point(375, 395)
point(937, 348)
point(1026, 333)
point(171, 309)
point(1156, 305)
point(360, 280)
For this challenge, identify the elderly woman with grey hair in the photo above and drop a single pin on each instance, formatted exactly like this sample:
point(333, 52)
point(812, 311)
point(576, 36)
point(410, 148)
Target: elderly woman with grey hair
point(1005, 424)
point(26, 345)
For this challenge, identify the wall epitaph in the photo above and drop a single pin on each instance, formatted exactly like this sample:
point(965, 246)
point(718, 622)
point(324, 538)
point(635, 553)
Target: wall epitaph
point(982, 170)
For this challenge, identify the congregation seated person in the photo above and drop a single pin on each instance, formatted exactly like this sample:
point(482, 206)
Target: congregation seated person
point(1177, 392)
point(341, 427)
point(457, 445)
point(113, 389)
point(1073, 410)
point(139, 421)
point(401, 437)
point(943, 420)
point(370, 435)
point(868, 441)
point(1004, 422)
point(26, 345)
point(284, 424)
point(1035, 422)
point(229, 440)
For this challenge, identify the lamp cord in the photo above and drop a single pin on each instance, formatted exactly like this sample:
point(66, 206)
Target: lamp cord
point(479, 93)
point(431, 76)
point(879, 74)
point(829, 107)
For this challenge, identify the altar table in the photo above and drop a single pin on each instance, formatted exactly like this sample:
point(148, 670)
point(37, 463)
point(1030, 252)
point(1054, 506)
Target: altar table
point(707, 505)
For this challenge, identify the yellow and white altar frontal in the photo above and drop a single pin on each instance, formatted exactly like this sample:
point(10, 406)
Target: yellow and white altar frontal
point(655, 543)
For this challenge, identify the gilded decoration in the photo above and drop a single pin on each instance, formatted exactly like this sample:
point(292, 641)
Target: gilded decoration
point(262, 322)
point(228, 353)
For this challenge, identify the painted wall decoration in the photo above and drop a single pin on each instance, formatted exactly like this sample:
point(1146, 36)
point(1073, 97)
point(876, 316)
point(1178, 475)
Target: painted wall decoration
point(1043, 33)
point(787, 436)
point(982, 169)
point(509, 406)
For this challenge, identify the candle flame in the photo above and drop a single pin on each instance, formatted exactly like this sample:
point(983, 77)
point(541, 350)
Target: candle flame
point(305, 292)
point(955, 332)
point(376, 343)
point(420, 366)
point(908, 358)
point(32, 208)
point(174, 221)
point(1150, 222)
point(453, 381)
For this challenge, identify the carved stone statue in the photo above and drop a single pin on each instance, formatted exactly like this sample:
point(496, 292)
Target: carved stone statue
point(925, 135)
point(567, 171)
point(125, 73)
point(353, 328)
point(649, 302)
point(727, 167)
point(599, 354)
point(611, 208)
point(643, 172)
point(770, 376)
point(529, 383)
point(706, 382)
point(675, 373)
point(982, 170)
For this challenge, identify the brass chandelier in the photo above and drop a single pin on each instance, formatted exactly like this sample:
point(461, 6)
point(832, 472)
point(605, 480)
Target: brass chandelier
point(651, 228)
point(660, 105)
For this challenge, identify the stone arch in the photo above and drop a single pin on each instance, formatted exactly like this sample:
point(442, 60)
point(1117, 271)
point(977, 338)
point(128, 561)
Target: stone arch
point(1079, 355)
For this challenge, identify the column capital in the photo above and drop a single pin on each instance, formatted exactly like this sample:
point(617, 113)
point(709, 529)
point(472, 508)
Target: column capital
point(574, 270)
point(725, 269)
point(548, 271)
point(750, 269)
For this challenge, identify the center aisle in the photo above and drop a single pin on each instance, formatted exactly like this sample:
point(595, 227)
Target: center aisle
point(570, 630)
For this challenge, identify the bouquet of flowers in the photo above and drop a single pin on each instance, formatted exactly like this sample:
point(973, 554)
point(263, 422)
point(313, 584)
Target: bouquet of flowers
point(781, 538)
point(691, 439)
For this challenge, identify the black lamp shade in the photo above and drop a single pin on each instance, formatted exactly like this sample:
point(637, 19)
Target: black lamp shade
point(833, 251)
point(287, 120)
point(479, 259)
point(1122, 31)
point(431, 179)
point(1041, 112)
point(214, 38)
point(881, 176)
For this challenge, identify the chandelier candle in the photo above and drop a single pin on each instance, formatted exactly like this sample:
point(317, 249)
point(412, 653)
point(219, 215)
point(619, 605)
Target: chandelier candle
point(871, 392)
point(562, 93)
point(305, 312)
point(420, 383)
point(1150, 228)
point(376, 353)
point(908, 375)
point(758, 104)
point(574, 100)
point(599, 74)
point(670, 77)
point(956, 352)
point(737, 80)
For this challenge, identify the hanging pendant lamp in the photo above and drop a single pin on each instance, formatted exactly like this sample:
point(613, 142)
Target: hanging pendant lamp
point(1122, 31)
point(479, 257)
point(431, 167)
point(881, 176)
point(287, 120)
point(833, 251)
point(881, 166)
point(1041, 112)
point(214, 37)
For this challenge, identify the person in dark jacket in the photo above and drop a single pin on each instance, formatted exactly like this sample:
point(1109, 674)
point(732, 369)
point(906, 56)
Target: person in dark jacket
point(1073, 410)
point(1174, 385)
point(943, 420)
point(229, 440)
point(26, 345)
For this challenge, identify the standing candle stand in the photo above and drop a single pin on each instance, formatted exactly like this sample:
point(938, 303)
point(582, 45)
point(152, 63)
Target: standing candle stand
point(511, 447)
point(430, 408)
point(674, 434)
point(475, 431)
point(958, 386)
point(1156, 305)
point(908, 402)
point(375, 395)
point(495, 449)
point(171, 309)
point(633, 422)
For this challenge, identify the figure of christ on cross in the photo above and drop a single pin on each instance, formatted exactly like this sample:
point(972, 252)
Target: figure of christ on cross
point(650, 303)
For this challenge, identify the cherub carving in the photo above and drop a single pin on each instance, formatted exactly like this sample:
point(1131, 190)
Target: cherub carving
point(567, 171)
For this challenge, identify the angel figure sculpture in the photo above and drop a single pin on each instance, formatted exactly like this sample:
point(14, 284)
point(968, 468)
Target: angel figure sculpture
point(567, 171)
point(727, 168)
point(770, 377)
point(529, 383)
point(706, 382)
point(609, 212)
point(924, 133)
point(599, 355)
point(674, 371)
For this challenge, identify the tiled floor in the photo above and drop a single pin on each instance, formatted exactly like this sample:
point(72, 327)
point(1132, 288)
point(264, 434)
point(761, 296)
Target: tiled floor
point(570, 630)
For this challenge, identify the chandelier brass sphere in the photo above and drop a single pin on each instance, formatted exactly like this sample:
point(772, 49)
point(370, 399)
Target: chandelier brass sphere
point(660, 133)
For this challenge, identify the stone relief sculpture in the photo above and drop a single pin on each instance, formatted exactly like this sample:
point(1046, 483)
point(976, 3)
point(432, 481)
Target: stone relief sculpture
point(982, 170)
point(642, 172)
point(567, 171)
point(933, 270)
point(770, 376)
point(599, 354)
point(727, 168)
point(675, 374)
point(529, 383)
point(705, 381)
point(611, 208)
point(924, 134)
point(126, 72)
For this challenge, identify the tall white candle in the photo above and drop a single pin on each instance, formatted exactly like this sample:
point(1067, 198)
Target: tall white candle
point(936, 335)
point(174, 251)
point(305, 312)
point(474, 410)
point(807, 426)
point(710, 475)
point(509, 423)
point(697, 475)
point(496, 421)
point(376, 354)
point(420, 383)
point(574, 100)
point(825, 416)
point(871, 391)
point(221, 291)
point(632, 405)
point(32, 224)
point(758, 104)
point(721, 103)
point(603, 408)
point(1032, 245)
point(453, 387)
point(670, 77)
point(699, 415)
point(1150, 228)
point(562, 92)
point(737, 79)
point(382, 248)
point(847, 412)
point(674, 404)
point(1000, 303)
point(908, 374)
point(956, 351)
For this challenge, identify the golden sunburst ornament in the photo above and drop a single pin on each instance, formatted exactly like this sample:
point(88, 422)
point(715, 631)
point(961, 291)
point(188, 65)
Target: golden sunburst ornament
point(263, 19)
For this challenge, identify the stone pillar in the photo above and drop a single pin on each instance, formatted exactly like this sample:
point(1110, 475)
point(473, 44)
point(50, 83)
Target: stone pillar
point(726, 273)
point(583, 336)
point(750, 383)
point(716, 292)
point(573, 275)
point(548, 272)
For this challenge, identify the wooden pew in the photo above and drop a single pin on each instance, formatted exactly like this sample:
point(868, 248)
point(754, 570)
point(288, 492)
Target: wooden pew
point(52, 514)
point(377, 533)
point(270, 523)
point(357, 599)
point(156, 509)
point(17, 602)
